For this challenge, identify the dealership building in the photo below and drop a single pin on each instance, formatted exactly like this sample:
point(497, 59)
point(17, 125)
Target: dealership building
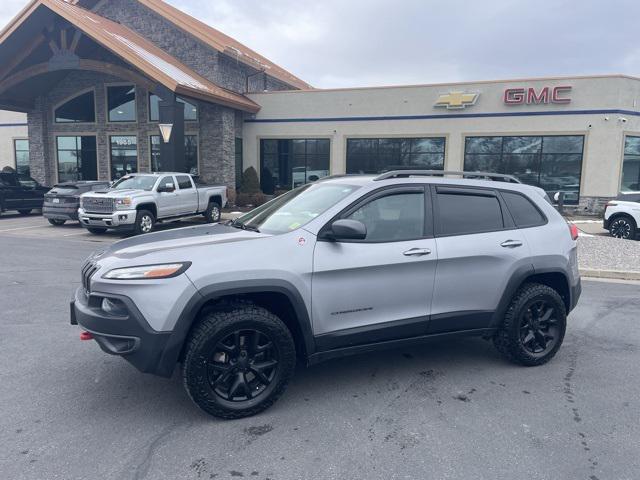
point(98, 79)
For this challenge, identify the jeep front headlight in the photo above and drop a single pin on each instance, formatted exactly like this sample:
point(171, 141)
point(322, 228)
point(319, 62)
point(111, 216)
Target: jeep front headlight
point(147, 272)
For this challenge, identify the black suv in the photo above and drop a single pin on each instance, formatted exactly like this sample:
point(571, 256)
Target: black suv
point(20, 192)
point(61, 203)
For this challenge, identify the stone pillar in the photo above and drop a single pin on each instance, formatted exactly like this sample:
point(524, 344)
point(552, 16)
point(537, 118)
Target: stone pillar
point(217, 144)
point(41, 161)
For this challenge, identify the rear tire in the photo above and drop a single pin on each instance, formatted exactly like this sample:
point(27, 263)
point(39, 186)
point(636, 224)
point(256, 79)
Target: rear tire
point(145, 222)
point(213, 212)
point(25, 212)
point(238, 361)
point(96, 230)
point(533, 327)
point(623, 227)
point(56, 222)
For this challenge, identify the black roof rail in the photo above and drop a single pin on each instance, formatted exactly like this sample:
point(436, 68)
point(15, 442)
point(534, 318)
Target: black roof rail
point(442, 173)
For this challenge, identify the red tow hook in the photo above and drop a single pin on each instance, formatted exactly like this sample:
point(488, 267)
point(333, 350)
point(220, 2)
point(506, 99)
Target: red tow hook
point(86, 336)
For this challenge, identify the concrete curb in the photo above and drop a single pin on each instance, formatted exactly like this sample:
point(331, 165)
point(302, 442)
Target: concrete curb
point(617, 274)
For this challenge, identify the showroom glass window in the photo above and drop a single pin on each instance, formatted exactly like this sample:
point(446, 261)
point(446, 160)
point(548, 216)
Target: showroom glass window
point(77, 159)
point(631, 165)
point(21, 154)
point(375, 155)
point(80, 109)
point(287, 164)
point(190, 154)
point(190, 110)
point(553, 163)
point(122, 103)
point(124, 155)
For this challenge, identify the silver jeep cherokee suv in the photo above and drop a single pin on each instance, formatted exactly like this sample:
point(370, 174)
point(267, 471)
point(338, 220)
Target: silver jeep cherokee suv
point(345, 265)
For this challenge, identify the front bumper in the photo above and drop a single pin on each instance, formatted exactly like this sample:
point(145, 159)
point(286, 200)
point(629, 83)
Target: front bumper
point(120, 219)
point(606, 223)
point(128, 335)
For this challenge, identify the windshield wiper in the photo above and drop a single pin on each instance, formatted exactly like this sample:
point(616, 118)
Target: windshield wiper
point(243, 226)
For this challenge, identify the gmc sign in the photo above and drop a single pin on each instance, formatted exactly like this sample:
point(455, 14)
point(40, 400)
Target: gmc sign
point(531, 96)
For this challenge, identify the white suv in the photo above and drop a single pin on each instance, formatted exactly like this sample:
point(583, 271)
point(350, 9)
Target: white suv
point(622, 216)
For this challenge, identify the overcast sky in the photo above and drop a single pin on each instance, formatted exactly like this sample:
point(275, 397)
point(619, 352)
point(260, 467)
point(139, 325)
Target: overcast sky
point(345, 43)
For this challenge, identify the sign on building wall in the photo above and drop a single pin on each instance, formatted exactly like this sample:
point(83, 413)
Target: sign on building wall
point(457, 100)
point(534, 96)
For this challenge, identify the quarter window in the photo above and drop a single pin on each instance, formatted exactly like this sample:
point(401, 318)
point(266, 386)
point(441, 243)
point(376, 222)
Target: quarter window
point(524, 213)
point(122, 103)
point(462, 213)
point(393, 218)
point(81, 109)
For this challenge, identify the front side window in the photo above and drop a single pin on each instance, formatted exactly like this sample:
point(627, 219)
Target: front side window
point(393, 218)
point(166, 181)
point(287, 164)
point(124, 155)
point(21, 151)
point(77, 158)
point(553, 163)
point(190, 109)
point(631, 165)
point(122, 103)
point(376, 155)
point(296, 208)
point(461, 213)
point(190, 154)
point(81, 109)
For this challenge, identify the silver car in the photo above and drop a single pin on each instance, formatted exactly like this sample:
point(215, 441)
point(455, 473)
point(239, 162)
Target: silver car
point(345, 265)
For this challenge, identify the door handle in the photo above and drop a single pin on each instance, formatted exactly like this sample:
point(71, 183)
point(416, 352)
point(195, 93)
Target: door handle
point(417, 252)
point(511, 244)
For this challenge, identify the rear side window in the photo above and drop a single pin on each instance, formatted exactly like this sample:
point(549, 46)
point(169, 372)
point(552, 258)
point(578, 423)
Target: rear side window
point(524, 213)
point(463, 213)
point(184, 182)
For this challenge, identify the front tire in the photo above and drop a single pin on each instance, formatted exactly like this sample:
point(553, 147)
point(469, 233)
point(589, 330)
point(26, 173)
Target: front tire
point(238, 361)
point(623, 227)
point(213, 212)
point(145, 222)
point(56, 222)
point(533, 327)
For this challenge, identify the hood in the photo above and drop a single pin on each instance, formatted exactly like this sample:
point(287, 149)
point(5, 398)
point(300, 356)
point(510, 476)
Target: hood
point(115, 193)
point(177, 239)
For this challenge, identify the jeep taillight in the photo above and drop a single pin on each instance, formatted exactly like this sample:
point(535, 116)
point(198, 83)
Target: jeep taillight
point(573, 230)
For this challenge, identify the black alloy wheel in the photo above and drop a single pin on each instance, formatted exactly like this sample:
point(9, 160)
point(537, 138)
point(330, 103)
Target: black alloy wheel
point(622, 228)
point(539, 328)
point(243, 365)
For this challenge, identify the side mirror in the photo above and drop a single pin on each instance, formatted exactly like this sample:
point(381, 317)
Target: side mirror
point(346, 229)
point(167, 187)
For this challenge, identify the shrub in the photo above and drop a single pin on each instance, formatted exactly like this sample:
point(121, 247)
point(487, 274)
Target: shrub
point(250, 182)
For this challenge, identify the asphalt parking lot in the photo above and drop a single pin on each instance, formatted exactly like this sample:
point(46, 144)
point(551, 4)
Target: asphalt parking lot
point(452, 410)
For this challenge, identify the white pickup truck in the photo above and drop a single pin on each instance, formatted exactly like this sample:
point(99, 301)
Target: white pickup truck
point(137, 201)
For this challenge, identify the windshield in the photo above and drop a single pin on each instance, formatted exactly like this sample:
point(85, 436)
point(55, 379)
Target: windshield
point(295, 208)
point(135, 182)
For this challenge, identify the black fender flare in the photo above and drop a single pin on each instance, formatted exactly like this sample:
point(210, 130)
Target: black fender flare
point(178, 336)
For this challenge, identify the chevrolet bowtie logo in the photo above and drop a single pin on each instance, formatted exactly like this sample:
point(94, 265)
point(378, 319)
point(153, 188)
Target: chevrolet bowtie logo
point(455, 100)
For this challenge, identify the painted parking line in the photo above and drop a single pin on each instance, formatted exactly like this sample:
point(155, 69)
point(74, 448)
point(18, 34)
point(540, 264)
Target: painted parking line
point(20, 228)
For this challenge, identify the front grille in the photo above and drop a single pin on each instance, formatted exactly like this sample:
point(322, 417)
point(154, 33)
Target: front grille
point(98, 205)
point(88, 270)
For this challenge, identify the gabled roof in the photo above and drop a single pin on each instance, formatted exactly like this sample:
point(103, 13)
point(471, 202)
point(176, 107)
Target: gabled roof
point(223, 43)
point(136, 50)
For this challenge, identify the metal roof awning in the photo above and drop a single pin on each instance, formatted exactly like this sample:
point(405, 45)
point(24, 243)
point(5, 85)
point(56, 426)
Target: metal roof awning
point(135, 50)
